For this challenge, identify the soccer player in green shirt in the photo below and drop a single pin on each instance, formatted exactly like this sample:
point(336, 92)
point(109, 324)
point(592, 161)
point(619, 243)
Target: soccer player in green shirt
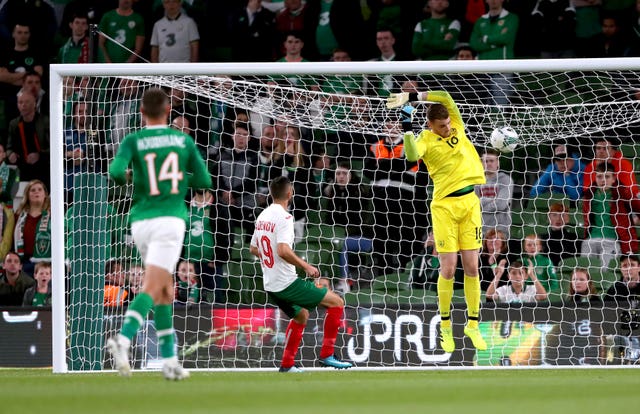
point(165, 162)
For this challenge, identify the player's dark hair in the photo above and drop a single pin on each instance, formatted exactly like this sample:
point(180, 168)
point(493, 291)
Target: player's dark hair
point(154, 101)
point(605, 167)
point(437, 111)
point(279, 187)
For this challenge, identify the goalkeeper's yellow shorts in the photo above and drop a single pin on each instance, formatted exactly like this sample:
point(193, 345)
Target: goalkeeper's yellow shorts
point(457, 223)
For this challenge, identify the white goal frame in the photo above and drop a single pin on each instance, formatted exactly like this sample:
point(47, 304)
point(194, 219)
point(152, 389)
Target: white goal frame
point(58, 71)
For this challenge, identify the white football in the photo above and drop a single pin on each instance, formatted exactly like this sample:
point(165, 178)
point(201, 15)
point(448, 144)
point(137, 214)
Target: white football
point(504, 139)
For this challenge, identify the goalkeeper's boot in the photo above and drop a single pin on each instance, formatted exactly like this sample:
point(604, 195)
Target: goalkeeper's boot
point(476, 338)
point(173, 371)
point(446, 339)
point(120, 354)
point(333, 362)
point(292, 369)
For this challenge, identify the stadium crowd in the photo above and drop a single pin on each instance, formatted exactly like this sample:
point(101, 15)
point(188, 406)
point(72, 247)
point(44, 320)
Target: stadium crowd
point(360, 183)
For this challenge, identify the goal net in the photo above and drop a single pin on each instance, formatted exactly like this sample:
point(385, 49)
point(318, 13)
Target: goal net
point(361, 211)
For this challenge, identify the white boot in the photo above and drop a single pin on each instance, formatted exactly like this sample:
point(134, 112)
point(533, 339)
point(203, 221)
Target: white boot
point(119, 349)
point(172, 370)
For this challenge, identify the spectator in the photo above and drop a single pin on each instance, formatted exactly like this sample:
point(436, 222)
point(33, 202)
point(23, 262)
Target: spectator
point(175, 37)
point(560, 241)
point(293, 45)
point(291, 18)
point(124, 113)
point(336, 23)
point(40, 293)
point(398, 221)
point(7, 179)
point(181, 123)
point(588, 25)
point(435, 38)
point(495, 195)
point(626, 291)
point(582, 289)
point(253, 36)
point(237, 180)
point(32, 234)
point(493, 257)
point(28, 145)
point(383, 85)
point(126, 28)
point(37, 14)
point(320, 175)
point(607, 209)
point(13, 282)
point(135, 281)
point(347, 207)
point(494, 37)
point(291, 159)
point(199, 246)
point(610, 42)
point(534, 255)
point(517, 290)
point(116, 293)
point(266, 170)
point(32, 82)
point(563, 176)
point(75, 142)
point(188, 284)
point(76, 49)
point(606, 152)
point(494, 33)
point(197, 111)
point(15, 63)
point(7, 224)
point(556, 22)
point(634, 40)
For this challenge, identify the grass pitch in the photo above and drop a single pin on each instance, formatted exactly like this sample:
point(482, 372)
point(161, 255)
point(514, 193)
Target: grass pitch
point(371, 392)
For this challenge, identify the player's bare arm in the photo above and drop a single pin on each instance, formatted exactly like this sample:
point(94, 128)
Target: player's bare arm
point(287, 254)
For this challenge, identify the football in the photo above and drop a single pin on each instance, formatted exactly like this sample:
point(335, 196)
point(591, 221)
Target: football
point(504, 139)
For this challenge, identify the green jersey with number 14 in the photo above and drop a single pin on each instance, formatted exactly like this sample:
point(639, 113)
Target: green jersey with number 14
point(165, 163)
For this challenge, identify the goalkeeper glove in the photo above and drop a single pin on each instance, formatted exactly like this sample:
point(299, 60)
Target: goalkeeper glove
point(398, 99)
point(406, 115)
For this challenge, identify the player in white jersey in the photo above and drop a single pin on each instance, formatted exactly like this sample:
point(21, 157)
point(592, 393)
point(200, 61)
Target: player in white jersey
point(272, 242)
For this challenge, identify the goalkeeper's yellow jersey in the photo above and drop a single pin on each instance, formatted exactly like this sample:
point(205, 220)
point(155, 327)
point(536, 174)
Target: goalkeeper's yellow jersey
point(453, 162)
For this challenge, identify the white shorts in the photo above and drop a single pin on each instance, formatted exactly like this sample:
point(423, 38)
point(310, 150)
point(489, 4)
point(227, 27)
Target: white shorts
point(159, 241)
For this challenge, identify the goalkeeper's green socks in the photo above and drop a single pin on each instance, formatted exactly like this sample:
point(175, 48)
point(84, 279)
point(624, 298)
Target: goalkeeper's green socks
point(472, 297)
point(163, 319)
point(135, 315)
point(445, 293)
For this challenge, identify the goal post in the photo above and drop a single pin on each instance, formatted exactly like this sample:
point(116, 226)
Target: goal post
point(391, 322)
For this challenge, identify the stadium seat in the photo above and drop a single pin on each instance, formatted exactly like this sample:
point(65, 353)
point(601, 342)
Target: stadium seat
point(392, 282)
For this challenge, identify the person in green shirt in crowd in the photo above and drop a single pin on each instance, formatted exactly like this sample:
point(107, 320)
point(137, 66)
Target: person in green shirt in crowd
point(40, 293)
point(542, 265)
point(436, 37)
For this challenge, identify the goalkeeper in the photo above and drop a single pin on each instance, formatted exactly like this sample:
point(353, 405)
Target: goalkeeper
point(455, 168)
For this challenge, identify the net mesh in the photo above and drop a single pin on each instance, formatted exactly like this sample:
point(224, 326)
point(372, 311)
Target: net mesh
point(313, 124)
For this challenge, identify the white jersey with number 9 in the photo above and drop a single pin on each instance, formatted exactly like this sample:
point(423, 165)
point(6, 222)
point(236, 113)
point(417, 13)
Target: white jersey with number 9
point(274, 225)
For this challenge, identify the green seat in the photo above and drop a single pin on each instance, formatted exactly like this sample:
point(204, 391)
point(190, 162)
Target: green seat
point(542, 202)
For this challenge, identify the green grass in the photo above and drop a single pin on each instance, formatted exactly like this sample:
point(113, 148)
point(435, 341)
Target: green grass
point(475, 392)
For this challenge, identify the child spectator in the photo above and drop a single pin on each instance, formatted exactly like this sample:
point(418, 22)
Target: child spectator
point(607, 209)
point(40, 293)
point(188, 283)
point(581, 289)
point(517, 291)
point(543, 268)
point(493, 257)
